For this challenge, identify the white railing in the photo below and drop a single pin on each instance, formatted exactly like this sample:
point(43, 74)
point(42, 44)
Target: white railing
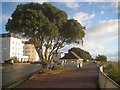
point(105, 81)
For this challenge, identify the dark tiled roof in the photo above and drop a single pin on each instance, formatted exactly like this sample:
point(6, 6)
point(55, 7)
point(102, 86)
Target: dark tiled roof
point(71, 55)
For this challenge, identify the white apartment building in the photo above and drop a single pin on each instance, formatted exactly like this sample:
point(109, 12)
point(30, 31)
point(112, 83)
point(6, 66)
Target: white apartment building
point(12, 46)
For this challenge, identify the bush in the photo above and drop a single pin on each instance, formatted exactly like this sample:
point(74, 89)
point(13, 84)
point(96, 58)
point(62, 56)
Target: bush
point(44, 64)
point(9, 61)
point(55, 67)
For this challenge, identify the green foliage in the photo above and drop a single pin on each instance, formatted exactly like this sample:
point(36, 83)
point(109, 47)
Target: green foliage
point(8, 61)
point(84, 54)
point(101, 58)
point(72, 30)
point(45, 26)
point(44, 64)
point(61, 69)
point(112, 70)
point(56, 67)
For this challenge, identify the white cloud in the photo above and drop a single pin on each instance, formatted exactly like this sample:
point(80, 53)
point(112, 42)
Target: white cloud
point(85, 0)
point(98, 38)
point(41, 1)
point(113, 56)
point(114, 4)
point(107, 30)
point(83, 18)
point(102, 12)
point(61, 0)
point(72, 5)
point(104, 27)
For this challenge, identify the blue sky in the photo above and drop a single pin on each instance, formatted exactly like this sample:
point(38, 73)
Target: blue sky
point(100, 18)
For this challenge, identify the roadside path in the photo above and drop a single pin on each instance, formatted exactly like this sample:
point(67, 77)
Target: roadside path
point(85, 77)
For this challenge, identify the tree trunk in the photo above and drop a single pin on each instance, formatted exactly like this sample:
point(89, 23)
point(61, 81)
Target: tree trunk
point(40, 53)
point(46, 54)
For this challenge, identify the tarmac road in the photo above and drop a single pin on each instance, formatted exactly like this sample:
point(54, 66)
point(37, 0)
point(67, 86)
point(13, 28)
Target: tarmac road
point(18, 72)
point(85, 77)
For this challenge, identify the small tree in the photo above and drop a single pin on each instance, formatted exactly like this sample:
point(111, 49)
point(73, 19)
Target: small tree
point(101, 58)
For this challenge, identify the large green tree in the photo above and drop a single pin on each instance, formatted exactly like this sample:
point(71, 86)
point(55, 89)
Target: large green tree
point(46, 26)
point(84, 54)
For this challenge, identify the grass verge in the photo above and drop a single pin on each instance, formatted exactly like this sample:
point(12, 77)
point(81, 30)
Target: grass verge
point(51, 72)
point(61, 69)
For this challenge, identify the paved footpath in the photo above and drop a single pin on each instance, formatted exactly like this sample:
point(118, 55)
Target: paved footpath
point(85, 77)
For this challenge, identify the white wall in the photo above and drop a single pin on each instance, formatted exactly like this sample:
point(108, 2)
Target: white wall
point(57, 57)
point(16, 47)
point(11, 47)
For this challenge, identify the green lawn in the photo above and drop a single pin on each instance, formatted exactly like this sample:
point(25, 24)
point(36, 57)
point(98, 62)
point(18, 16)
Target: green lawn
point(59, 69)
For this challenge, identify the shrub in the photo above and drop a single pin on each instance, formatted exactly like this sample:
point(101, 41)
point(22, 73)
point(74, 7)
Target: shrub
point(44, 64)
point(9, 61)
point(55, 67)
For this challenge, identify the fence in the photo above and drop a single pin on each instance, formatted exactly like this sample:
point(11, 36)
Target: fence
point(105, 81)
